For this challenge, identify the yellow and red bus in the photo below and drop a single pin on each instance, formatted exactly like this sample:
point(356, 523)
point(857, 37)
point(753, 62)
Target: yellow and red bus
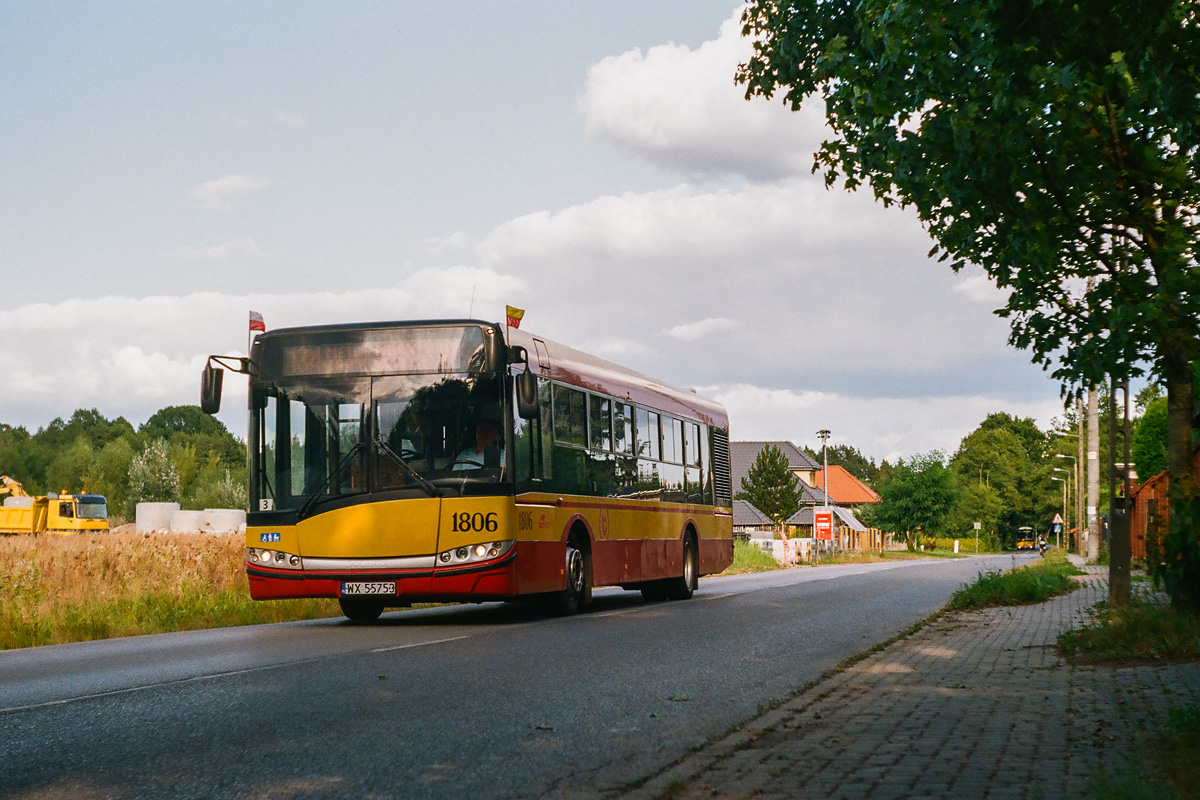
point(459, 460)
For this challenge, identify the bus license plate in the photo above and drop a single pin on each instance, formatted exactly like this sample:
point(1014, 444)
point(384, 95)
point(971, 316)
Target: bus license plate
point(368, 587)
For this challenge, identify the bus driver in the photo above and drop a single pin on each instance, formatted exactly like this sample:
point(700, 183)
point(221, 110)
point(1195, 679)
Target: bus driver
point(485, 452)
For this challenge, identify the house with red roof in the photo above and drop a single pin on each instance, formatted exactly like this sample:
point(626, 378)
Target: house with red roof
point(844, 488)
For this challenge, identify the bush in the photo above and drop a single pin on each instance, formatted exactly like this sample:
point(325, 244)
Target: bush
point(749, 558)
point(153, 477)
point(1033, 584)
point(1178, 555)
point(1140, 632)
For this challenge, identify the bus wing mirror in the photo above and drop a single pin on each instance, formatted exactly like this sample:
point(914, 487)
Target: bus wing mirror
point(210, 388)
point(527, 395)
point(495, 351)
point(517, 354)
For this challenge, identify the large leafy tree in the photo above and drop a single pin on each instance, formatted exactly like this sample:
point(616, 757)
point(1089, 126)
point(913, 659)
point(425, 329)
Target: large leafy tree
point(918, 494)
point(1150, 440)
point(1051, 142)
point(770, 486)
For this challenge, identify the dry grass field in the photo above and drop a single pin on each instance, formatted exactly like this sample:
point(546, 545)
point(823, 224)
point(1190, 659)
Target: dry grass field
point(56, 589)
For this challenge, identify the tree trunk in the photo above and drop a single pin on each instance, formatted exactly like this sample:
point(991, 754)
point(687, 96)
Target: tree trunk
point(1177, 372)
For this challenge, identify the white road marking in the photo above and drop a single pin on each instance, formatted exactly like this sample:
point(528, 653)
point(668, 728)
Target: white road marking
point(416, 644)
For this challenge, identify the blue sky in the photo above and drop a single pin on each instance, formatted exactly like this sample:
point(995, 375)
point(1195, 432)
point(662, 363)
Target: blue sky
point(167, 167)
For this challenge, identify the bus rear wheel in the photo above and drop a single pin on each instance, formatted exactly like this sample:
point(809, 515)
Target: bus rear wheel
point(360, 609)
point(684, 586)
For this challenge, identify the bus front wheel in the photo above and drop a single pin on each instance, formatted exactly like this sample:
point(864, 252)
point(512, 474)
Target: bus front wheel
point(578, 570)
point(360, 609)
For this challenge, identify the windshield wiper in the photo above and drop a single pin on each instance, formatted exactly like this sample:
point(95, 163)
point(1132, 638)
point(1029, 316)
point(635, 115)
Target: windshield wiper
point(312, 499)
point(421, 481)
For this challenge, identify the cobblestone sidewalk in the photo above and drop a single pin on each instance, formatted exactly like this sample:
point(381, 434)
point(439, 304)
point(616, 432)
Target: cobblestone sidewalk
point(975, 705)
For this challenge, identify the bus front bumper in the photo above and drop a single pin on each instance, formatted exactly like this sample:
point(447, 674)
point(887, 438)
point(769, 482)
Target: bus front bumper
point(489, 580)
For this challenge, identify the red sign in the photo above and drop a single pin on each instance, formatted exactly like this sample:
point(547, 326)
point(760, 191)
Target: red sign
point(823, 525)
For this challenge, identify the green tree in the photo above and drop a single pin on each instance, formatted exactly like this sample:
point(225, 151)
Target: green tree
point(88, 423)
point(152, 478)
point(109, 474)
point(1047, 141)
point(916, 495)
point(168, 422)
point(980, 503)
point(1150, 440)
point(770, 486)
point(188, 428)
point(21, 459)
point(70, 466)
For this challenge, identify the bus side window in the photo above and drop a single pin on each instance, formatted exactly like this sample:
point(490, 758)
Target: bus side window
point(622, 428)
point(600, 422)
point(570, 416)
point(646, 432)
point(66, 510)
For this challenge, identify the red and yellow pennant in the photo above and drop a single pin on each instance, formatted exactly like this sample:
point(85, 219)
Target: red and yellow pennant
point(515, 315)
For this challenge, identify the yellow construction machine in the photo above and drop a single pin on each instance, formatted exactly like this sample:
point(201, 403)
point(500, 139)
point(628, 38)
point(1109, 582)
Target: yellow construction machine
point(56, 512)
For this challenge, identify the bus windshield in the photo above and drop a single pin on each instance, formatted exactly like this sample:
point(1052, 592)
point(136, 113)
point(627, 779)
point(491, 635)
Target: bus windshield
point(321, 438)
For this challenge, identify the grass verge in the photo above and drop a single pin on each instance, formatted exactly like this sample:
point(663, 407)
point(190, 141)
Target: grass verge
point(748, 558)
point(1142, 633)
point(60, 589)
point(1040, 581)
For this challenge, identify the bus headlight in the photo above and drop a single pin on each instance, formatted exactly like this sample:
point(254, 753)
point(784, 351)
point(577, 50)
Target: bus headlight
point(273, 558)
point(484, 551)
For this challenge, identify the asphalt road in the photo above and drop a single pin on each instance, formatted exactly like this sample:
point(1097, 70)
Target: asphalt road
point(490, 701)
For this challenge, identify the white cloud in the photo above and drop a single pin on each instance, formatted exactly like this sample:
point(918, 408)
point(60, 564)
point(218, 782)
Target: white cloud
point(244, 246)
point(980, 289)
point(680, 107)
point(790, 277)
point(291, 119)
point(695, 331)
point(131, 356)
point(219, 194)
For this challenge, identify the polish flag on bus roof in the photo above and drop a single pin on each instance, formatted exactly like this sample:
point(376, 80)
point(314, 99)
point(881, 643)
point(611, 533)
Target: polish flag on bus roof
point(256, 322)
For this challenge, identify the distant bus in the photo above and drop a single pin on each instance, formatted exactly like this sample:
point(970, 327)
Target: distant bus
point(1025, 538)
point(392, 463)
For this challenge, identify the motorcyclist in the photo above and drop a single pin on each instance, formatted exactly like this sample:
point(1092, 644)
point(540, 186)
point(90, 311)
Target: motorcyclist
point(1042, 544)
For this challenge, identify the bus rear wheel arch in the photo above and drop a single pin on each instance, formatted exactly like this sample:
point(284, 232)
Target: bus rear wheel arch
point(684, 585)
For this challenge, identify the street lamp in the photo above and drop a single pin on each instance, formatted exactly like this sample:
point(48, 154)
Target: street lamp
point(1063, 481)
point(1076, 477)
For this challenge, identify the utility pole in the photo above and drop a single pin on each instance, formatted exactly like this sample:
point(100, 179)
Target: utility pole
point(823, 435)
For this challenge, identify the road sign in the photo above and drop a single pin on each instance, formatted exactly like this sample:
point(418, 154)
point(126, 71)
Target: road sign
point(1057, 528)
point(1058, 520)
